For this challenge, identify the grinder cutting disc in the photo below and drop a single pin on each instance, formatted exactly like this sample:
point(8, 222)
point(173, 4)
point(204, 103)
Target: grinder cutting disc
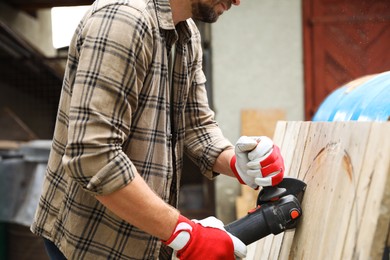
point(270, 193)
point(287, 186)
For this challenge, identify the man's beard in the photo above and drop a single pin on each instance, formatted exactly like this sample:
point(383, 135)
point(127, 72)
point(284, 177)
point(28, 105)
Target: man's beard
point(204, 13)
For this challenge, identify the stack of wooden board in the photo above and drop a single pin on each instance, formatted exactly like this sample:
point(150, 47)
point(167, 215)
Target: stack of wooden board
point(346, 206)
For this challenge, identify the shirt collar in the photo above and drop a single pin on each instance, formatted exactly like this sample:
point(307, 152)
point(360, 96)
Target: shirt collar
point(164, 16)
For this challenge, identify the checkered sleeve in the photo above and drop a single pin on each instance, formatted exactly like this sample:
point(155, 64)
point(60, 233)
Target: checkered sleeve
point(204, 138)
point(112, 45)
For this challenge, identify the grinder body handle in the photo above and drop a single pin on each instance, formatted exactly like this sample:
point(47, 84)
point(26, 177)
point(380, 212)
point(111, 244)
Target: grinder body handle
point(271, 218)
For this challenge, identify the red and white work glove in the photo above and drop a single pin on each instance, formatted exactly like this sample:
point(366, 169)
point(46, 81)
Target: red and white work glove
point(204, 239)
point(257, 162)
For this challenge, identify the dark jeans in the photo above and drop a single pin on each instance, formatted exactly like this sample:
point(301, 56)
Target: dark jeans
point(52, 250)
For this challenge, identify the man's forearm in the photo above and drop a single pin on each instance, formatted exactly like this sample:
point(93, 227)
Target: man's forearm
point(222, 164)
point(137, 204)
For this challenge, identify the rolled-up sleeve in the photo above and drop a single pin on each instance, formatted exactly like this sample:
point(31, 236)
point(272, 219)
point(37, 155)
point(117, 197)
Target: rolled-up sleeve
point(111, 57)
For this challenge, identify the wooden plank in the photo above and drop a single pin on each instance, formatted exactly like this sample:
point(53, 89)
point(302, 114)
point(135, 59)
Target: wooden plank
point(346, 207)
point(326, 174)
point(255, 122)
point(375, 217)
point(292, 158)
point(286, 135)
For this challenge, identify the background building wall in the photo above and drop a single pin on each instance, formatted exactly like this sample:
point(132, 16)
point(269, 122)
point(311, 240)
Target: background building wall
point(257, 63)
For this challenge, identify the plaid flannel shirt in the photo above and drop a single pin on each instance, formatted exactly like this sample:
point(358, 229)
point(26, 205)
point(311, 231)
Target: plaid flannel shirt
point(118, 114)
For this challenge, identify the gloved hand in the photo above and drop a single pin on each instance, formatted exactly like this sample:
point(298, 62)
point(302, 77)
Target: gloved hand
point(257, 161)
point(204, 239)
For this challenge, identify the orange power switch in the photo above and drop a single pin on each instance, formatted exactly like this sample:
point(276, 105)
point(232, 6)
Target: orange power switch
point(294, 213)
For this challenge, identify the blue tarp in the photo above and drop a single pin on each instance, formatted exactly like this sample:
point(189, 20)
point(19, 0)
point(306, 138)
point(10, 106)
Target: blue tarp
point(368, 101)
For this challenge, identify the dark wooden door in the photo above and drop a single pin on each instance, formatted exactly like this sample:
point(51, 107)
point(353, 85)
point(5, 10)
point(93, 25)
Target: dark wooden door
point(343, 40)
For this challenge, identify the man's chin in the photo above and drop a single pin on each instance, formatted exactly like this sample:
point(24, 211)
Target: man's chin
point(207, 20)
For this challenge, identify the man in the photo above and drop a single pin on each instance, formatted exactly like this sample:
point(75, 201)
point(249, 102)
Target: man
point(133, 101)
